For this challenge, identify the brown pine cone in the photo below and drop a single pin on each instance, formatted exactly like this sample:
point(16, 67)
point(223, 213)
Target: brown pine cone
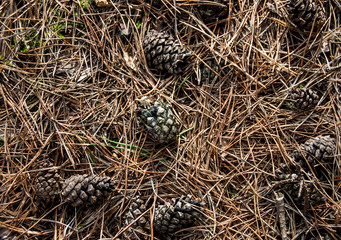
point(304, 98)
point(139, 228)
point(304, 12)
point(176, 214)
point(47, 183)
point(85, 189)
point(163, 52)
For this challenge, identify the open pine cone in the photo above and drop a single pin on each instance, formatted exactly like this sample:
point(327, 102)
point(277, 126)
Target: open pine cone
point(315, 150)
point(298, 188)
point(47, 183)
point(163, 52)
point(205, 73)
point(304, 98)
point(177, 214)
point(85, 189)
point(139, 227)
point(158, 118)
point(303, 13)
point(212, 10)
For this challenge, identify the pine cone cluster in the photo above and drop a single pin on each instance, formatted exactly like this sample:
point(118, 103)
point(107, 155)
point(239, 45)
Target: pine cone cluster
point(158, 118)
point(212, 10)
point(140, 227)
point(163, 52)
point(315, 150)
point(176, 214)
point(304, 98)
point(169, 217)
point(85, 189)
point(47, 183)
point(296, 182)
point(305, 13)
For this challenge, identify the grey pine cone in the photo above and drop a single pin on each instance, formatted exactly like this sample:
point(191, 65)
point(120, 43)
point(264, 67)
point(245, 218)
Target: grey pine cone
point(299, 189)
point(163, 52)
point(85, 189)
point(177, 214)
point(322, 235)
point(315, 150)
point(139, 228)
point(47, 183)
point(159, 119)
point(304, 98)
point(206, 73)
point(6, 234)
point(298, 193)
point(304, 12)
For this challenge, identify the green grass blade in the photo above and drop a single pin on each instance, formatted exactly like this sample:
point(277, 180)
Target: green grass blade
point(179, 86)
point(127, 145)
point(184, 131)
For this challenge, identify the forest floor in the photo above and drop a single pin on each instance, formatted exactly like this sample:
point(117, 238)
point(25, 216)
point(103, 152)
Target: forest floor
point(70, 75)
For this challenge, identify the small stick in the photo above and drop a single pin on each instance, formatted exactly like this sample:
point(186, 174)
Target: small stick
point(279, 198)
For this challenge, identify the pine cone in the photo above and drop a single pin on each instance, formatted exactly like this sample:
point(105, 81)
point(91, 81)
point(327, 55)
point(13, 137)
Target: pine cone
point(298, 188)
point(301, 190)
point(6, 234)
point(175, 215)
point(102, 3)
point(214, 10)
point(154, 3)
point(85, 190)
point(206, 74)
point(322, 235)
point(303, 13)
point(298, 193)
point(163, 52)
point(140, 227)
point(157, 3)
point(47, 183)
point(304, 98)
point(158, 119)
point(315, 150)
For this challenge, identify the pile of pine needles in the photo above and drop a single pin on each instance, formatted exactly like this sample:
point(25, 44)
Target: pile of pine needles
point(70, 74)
